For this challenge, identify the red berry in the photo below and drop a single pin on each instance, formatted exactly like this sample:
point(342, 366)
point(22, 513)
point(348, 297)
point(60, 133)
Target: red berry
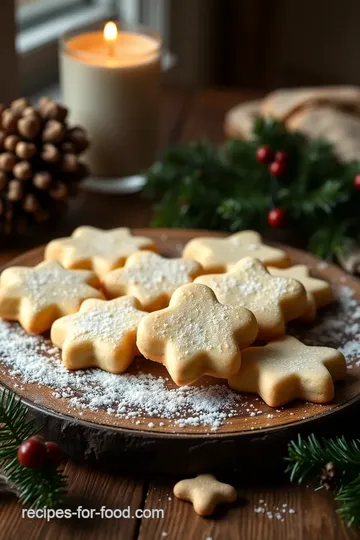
point(280, 156)
point(277, 168)
point(32, 453)
point(357, 181)
point(53, 453)
point(264, 154)
point(276, 217)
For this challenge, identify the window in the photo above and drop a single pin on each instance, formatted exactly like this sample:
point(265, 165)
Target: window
point(40, 23)
point(32, 12)
point(36, 25)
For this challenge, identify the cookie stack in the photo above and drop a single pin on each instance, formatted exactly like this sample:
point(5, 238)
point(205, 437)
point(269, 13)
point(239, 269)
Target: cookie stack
point(331, 113)
point(107, 296)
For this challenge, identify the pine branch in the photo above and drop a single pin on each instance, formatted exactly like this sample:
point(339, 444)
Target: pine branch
point(306, 458)
point(332, 239)
point(37, 488)
point(349, 496)
point(325, 198)
point(200, 185)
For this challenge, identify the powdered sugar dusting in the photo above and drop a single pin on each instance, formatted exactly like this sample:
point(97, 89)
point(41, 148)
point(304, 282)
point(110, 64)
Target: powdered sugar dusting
point(49, 283)
point(135, 395)
point(338, 327)
point(128, 396)
point(251, 286)
point(154, 273)
point(104, 321)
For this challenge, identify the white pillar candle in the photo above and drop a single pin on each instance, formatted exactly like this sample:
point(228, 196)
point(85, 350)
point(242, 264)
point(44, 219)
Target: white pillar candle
point(111, 85)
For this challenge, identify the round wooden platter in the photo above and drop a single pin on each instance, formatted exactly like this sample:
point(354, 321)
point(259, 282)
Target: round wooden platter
point(160, 444)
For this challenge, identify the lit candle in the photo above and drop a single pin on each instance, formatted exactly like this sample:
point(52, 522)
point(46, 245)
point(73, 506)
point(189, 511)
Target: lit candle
point(110, 36)
point(111, 85)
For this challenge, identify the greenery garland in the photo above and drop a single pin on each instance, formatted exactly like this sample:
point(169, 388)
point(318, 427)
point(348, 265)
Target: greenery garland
point(199, 185)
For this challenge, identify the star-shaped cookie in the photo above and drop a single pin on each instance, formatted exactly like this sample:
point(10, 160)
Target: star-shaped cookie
point(95, 249)
point(152, 279)
point(196, 335)
point(286, 369)
point(37, 296)
point(319, 292)
point(219, 254)
point(102, 334)
point(273, 300)
point(205, 493)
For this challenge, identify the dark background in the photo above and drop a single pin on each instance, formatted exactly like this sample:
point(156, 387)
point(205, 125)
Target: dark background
point(265, 44)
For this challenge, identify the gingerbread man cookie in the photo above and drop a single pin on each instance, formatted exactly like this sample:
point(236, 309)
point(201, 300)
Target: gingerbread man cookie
point(95, 249)
point(287, 369)
point(37, 296)
point(219, 254)
point(205, 493)
point(196, 335)
point(102, 334)
point(273, 300)
point(319, 292)
point(152, 279)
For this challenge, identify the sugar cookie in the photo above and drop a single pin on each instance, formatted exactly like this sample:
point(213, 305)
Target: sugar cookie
point(273, 300)
point(287, 369)
point(196, 335)
point(95, 249)
point(152, 279)
point(102, 334)
point(219, 254)
point(37, 296)
point(205, 493)
point(319, 292)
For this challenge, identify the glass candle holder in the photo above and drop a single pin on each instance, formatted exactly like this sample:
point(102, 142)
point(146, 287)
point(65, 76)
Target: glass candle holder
point(110, 83)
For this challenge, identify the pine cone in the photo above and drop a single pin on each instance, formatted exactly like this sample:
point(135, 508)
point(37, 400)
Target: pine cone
point(39, 162)
point(328, 476)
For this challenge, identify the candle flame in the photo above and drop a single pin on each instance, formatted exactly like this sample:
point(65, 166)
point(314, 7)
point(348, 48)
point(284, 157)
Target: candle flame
point(110, 32)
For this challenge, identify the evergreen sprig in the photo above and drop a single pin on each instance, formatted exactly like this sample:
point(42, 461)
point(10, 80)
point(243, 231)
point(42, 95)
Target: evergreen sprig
point(306, 458)
point(37, 488)
point(200, 185)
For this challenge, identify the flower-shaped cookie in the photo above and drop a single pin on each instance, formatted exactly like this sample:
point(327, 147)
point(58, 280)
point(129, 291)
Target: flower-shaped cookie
point(219, 254)
point(97, 250)
point(196, 335)
point(205, 493)
point(319, 292)
point(287, 369)
point(152, 279)
point(102, 334)
point(37, 296)
point(273, 300)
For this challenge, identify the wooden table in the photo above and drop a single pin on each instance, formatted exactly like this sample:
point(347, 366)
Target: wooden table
point(188, 115)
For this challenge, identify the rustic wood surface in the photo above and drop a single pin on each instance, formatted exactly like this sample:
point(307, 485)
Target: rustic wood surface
point(188, 115)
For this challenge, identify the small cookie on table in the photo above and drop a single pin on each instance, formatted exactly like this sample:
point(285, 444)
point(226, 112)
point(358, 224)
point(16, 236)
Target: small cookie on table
point(219, 254)
point(96, 249)
point(196, 335)
point(102, 334)
point(205, 492)
point(152, 279)
point(37, 296)
point(286, 369)
point(273, 300)
point(319, 292)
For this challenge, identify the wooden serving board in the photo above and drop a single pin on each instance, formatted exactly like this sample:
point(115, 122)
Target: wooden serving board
point(155, 443)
